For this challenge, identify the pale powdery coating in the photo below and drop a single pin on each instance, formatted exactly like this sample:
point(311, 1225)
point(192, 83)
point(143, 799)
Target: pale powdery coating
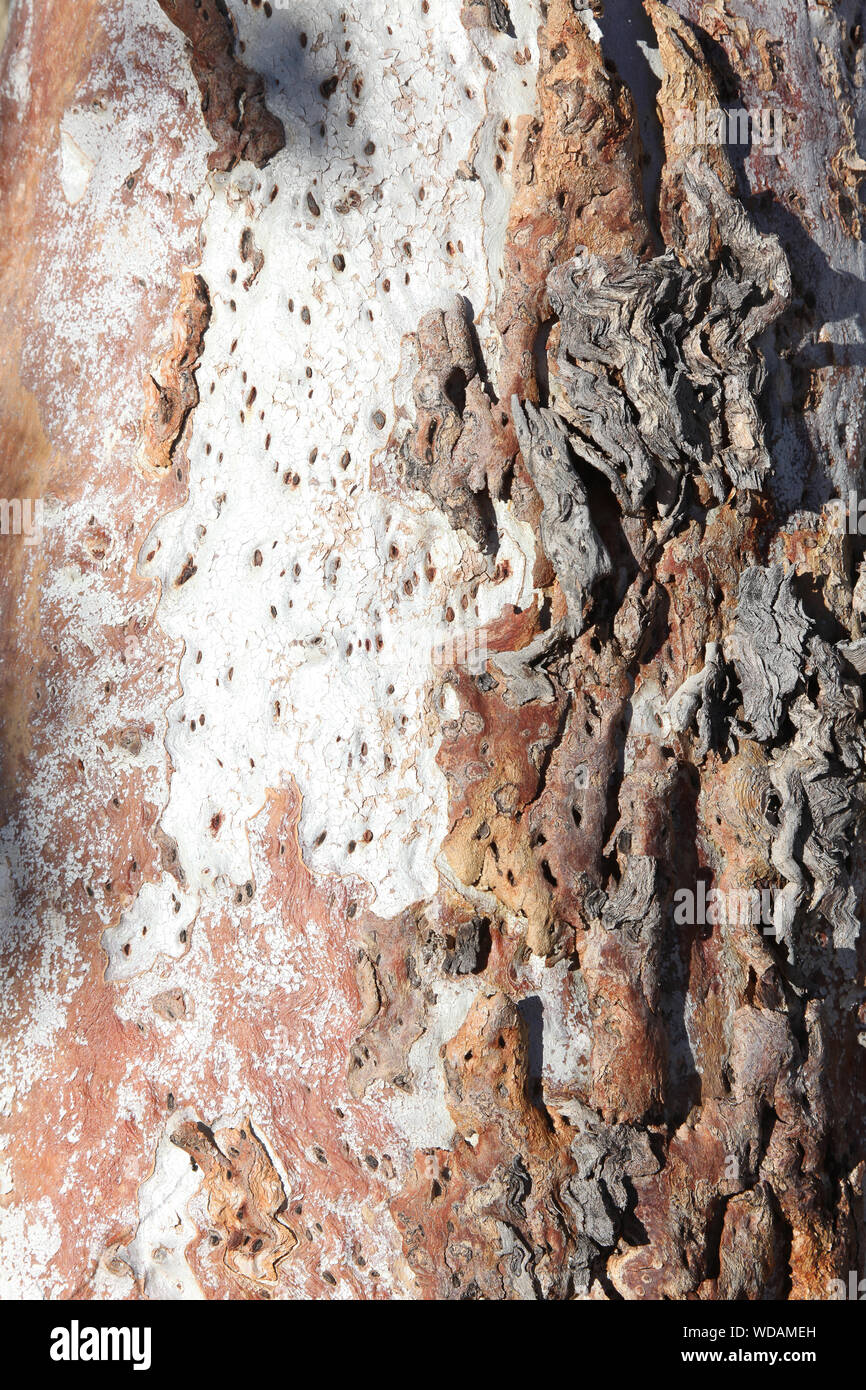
point(429, 105)
point(114, 134)
point(156, 1256)
point(309, 622)
point(29, 1238)
point(114, 251)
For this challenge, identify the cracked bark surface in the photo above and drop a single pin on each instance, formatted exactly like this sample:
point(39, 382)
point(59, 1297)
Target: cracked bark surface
point(366, 753)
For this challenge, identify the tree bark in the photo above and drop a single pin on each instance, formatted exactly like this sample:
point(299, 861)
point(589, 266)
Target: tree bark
point(431, 678)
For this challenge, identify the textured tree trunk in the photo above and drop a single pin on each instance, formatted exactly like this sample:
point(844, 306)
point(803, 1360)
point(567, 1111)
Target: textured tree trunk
point(431, 650)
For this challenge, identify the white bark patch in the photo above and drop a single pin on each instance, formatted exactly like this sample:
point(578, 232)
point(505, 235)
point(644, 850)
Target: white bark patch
point(75, 168)
point(421, 1115)
point(29, 1240)
point(309, 602)
point(164, 1230)
point(158, 923)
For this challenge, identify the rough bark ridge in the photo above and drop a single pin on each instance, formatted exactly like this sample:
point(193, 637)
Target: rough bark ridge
point(702, 727)
point(232, 97)
point(433, 751)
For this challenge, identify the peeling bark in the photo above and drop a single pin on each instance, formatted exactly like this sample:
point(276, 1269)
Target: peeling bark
point(169, 401)
point(232, 96)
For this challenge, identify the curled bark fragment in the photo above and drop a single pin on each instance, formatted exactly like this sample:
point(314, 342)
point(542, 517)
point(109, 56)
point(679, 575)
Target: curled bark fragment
point(232, 96)
point(570, 540)
point(245, 1200)
point(699, 700)
point(456, 452)
point(769, 647)
point(168, 401)
point(486, 14)
point(656, 375)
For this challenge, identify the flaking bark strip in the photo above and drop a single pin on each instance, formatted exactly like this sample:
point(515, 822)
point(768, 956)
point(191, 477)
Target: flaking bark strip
point(568, 535)
point(686, 82)
point(489, 1218)
point(232, 96)
point(655, 372)
point(172, 394)
point(394, 1010)
point(246, 1203)
point(577, 182)
point(458, 450)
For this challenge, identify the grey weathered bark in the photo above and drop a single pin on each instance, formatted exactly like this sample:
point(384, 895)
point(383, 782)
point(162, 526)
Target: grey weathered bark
point(432, 704)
